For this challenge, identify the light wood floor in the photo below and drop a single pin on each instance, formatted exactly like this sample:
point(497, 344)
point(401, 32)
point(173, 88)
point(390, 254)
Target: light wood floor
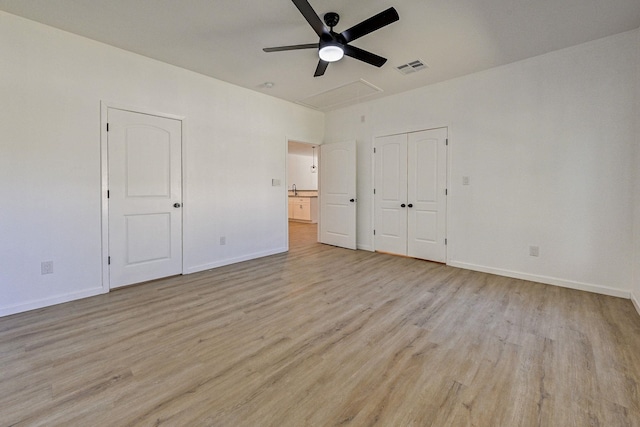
point(325, 336)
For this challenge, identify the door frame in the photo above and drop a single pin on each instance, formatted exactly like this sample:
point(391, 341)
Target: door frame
point(447, 183)
point(104, 179)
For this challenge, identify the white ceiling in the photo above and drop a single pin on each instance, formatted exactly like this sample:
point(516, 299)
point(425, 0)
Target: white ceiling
point(224, 39)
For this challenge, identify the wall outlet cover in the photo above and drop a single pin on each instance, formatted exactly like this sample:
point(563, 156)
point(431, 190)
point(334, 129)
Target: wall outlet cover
point(46, 267)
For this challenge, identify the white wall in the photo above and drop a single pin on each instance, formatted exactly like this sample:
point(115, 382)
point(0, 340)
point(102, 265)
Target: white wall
point(636, 167)
point(547, 143)
point(51, 86)
point(299, 172)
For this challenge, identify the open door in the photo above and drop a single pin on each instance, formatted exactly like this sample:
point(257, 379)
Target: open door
point(337, 194)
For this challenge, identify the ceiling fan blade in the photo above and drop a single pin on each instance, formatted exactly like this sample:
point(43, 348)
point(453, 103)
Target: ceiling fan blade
point(322, 67)
point(292, 47)
point(311, 16)
point(364, 56)
point(369, 25)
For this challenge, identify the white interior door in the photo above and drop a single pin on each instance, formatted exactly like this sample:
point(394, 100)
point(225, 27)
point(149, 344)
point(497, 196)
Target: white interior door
point(337, 194)
point(390, 197)
point(410, 194)
point(426, 194)
point(145, 197)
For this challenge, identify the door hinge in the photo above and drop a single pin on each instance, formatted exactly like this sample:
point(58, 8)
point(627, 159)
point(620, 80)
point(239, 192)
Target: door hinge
point(109, 260)
point(374, 232)
point(107, 194)
point(447, 141)
point(445, 241)
point(374, 191)
point(107, 127)
point(374, 150)
point(446, 192)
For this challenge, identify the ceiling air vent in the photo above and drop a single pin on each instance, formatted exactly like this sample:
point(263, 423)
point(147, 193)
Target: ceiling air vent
point(411, 67)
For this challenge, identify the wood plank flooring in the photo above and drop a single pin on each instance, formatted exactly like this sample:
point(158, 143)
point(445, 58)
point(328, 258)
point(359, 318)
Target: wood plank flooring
point(323, 336)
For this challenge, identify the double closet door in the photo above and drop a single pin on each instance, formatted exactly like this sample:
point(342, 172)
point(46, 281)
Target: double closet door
point(410, 194)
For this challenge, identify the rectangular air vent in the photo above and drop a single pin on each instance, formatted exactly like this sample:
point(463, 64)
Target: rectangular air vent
point(412, 67)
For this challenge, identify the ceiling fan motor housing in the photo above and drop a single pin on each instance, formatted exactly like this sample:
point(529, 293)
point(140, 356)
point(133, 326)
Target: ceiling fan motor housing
point(331, 19)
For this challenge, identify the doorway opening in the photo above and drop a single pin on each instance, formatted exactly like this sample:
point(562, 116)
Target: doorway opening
point(302, 189)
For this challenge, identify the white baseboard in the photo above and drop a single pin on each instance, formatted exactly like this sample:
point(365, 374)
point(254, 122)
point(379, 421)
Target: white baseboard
point(45, 302)
point(365, 248)
point(636, 302)
point(228, 261)
point(598, 289)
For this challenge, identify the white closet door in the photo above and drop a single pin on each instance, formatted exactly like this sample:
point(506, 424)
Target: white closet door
point(426, 194)
point(391, 194)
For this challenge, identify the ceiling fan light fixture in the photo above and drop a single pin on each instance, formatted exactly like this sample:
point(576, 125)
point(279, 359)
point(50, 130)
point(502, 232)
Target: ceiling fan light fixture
point(331, 52)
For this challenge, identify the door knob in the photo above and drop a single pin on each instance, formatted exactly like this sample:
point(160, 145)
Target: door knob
point(402, 205)
point(410, 205)
point(176, 205)
point(352, 200)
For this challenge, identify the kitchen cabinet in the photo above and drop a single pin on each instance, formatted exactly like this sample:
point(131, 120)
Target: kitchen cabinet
point(303, 209)
point(291, 207)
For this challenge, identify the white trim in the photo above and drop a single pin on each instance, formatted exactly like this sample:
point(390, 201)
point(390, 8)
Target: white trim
point(183, 183)
point(449, 200)
point(365, 248)
point(286, 194)
point(229, 261)
point(104, 187)
point(104, 178)
point(636, 302)
point(588, 287)
point(372, 216)
point(46, 302)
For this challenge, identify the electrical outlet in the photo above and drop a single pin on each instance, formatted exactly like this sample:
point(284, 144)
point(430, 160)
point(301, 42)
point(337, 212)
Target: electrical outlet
point(534, 251)
point(46, 267)
point(465, 180)
point(275, 182)
point(223, 240)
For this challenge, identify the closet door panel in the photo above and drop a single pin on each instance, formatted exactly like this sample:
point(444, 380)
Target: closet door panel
point(426, 194)
point(391, 194)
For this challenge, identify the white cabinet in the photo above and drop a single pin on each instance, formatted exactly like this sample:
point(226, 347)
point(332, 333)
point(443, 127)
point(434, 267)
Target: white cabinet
point(303, 209)
point(291, 207)
point(410, 194)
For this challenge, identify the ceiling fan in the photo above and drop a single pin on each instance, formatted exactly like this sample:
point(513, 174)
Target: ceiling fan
point(333, 46)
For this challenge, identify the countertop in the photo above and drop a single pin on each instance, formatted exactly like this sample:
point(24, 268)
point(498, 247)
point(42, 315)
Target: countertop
point(304, 193)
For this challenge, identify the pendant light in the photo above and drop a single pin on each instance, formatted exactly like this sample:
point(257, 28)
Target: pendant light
point(314, 168)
